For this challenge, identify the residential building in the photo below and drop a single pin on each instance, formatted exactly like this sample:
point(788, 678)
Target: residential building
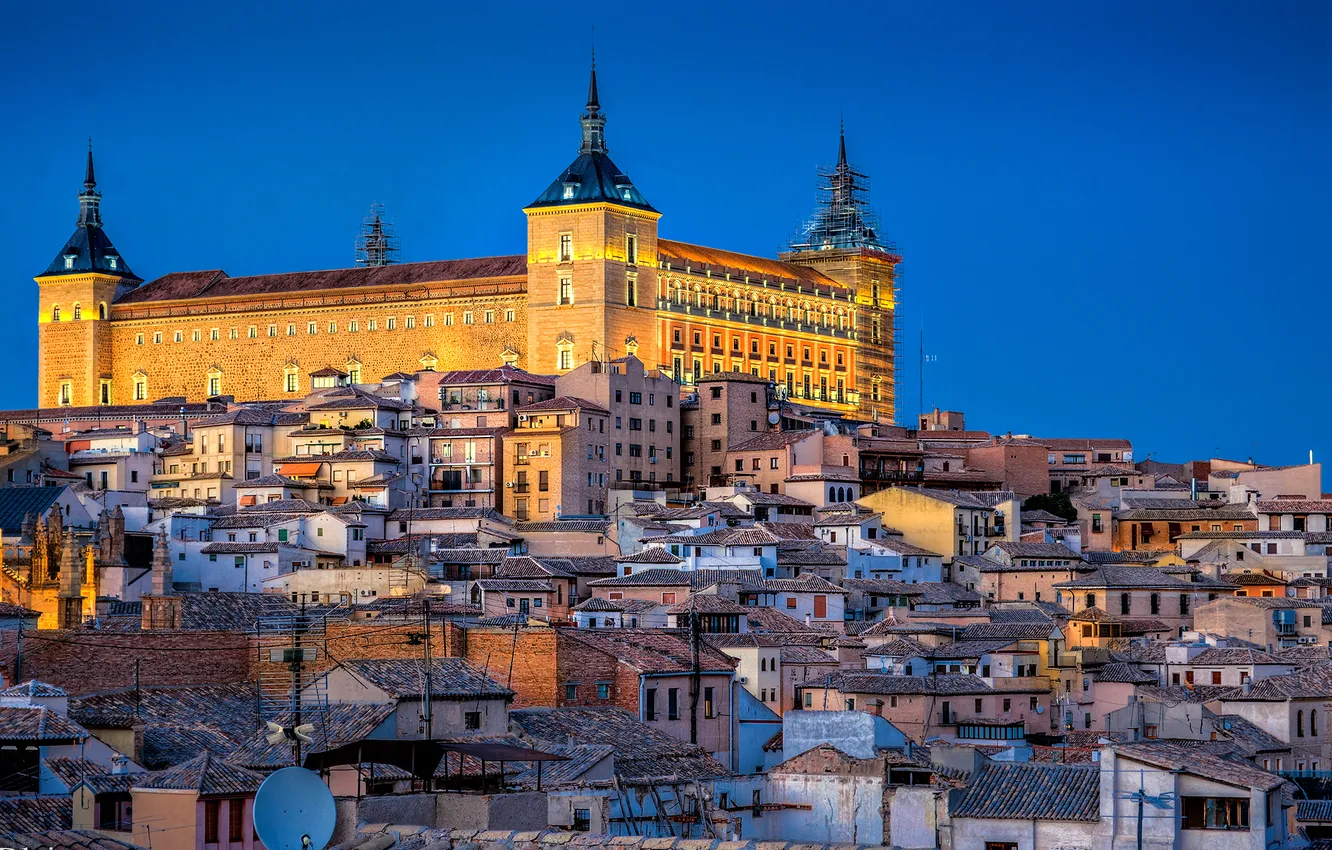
point(558, 455)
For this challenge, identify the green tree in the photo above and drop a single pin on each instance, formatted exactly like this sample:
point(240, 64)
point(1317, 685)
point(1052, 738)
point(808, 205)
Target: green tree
point(1058, 504)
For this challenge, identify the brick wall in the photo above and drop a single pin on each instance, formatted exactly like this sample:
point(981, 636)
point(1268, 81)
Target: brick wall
point(530, 654)
point(84, 661)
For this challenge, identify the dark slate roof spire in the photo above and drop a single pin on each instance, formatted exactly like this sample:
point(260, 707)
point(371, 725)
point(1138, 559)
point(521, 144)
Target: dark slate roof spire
point(592, 176)
point(89, 249)
point(841, 144)
point(593, 103)
point(89, 181)
point(594, 123)
point(90, 200)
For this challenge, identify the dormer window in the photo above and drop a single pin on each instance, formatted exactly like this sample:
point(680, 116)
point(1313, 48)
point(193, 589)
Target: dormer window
point(111, 263)
point(568, 191)
point(69, 260)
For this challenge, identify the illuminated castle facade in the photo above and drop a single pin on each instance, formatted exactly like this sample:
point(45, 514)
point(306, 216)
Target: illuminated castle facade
point(595, 282)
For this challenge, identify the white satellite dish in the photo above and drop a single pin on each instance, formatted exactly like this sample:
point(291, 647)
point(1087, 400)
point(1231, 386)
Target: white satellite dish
point(774, 418)
point(294, 810)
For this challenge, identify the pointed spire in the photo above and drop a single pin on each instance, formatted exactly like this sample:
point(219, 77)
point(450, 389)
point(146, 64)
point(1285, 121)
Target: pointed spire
point(841, 144)
point(593, 103)
point(90, 214)
point(89, 181)
point(594, 123)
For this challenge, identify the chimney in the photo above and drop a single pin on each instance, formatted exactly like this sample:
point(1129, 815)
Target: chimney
point(118, 763)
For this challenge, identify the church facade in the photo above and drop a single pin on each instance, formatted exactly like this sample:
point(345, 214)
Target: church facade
point(596, 282)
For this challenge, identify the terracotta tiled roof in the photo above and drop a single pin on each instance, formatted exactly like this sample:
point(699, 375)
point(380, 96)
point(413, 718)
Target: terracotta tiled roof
point(450, 678)
point(207, 774)
point(650, 651)
point(1059, 792)
point(655, 577)
point(642, 753)
point(32, 688)
point(1226, 769)
point(564, 402)
point(771, 440)
point(1294, 506)
point(35, 815)
point(216, 284)
point(29, 723)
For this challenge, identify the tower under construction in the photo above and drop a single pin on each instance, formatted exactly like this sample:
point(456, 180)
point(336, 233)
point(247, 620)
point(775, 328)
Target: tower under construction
point(841, 239)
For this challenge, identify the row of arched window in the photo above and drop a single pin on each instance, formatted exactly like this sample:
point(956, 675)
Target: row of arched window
point(78, 312)
point(1313, 723)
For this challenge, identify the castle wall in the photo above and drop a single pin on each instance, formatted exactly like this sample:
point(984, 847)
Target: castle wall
point(409, 334)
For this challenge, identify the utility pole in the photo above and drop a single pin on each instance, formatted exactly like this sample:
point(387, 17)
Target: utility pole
point(297, 656)
point(695, 672)
point(18, 654)
point(426, 697)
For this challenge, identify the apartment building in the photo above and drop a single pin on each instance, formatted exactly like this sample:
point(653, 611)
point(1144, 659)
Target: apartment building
point(557, 460)
point(645, 414)
point(730, 407)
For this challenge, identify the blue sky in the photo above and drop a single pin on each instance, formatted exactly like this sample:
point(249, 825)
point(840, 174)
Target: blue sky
point(1113, 215)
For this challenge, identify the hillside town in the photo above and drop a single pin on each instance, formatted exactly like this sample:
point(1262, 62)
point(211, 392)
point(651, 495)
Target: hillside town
point(622, 541)
point(506, 603)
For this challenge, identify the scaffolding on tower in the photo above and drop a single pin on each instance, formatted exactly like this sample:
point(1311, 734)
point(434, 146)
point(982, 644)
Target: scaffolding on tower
point(843, 218)
point(377, 244)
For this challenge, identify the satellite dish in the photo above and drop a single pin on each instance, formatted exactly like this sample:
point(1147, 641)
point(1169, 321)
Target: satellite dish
point(1040, 709)
point(294, 810)
point(774, 418)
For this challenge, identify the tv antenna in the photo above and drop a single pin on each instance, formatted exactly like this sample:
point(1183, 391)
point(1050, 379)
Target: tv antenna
point(1163, 801)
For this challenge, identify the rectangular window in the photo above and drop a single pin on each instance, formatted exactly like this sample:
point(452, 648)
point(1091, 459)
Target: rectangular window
point(430, 321)
point(332, 327)
point(1215, 812)
point(672, 703)
point(215, 334)
point(490, 317)
point(631, 249)
point(508, 315)
point(566, 247)
point(448, 320)
point(709, 707)
point(372, 325)
point(311, 328)
point(212, 808)
point(138, 339)
point(236, 820)
point(472, 720)
point(410, 322)
point(566, 290)
point(157, 338)
point(468, 318)
point(391, 324)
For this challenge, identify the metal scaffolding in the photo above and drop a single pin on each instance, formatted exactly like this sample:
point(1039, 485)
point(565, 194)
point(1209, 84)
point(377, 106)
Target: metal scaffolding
point(377, 244)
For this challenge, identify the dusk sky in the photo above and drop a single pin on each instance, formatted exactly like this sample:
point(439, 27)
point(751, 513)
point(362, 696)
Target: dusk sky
point(1114, 217)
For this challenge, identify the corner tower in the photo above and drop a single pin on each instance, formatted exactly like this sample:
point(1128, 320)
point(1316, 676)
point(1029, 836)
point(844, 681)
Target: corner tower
point(842, 241)
point(591, 260)
point(75, 296)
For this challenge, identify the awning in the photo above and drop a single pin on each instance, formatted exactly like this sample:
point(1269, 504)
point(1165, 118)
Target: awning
point(247, 501)
point(299, 468)
point(421, 757)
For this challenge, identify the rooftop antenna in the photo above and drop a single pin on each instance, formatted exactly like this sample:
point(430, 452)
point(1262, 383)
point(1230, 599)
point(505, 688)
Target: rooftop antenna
point(378, 244)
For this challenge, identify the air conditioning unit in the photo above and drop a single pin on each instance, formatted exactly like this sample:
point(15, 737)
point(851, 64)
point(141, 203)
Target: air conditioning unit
point(1308, 640)
point(508, 484)
point(744, 680)
point(522, 417)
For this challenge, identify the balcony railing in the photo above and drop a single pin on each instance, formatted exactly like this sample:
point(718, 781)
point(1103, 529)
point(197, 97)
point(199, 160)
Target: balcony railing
point(892, 475)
